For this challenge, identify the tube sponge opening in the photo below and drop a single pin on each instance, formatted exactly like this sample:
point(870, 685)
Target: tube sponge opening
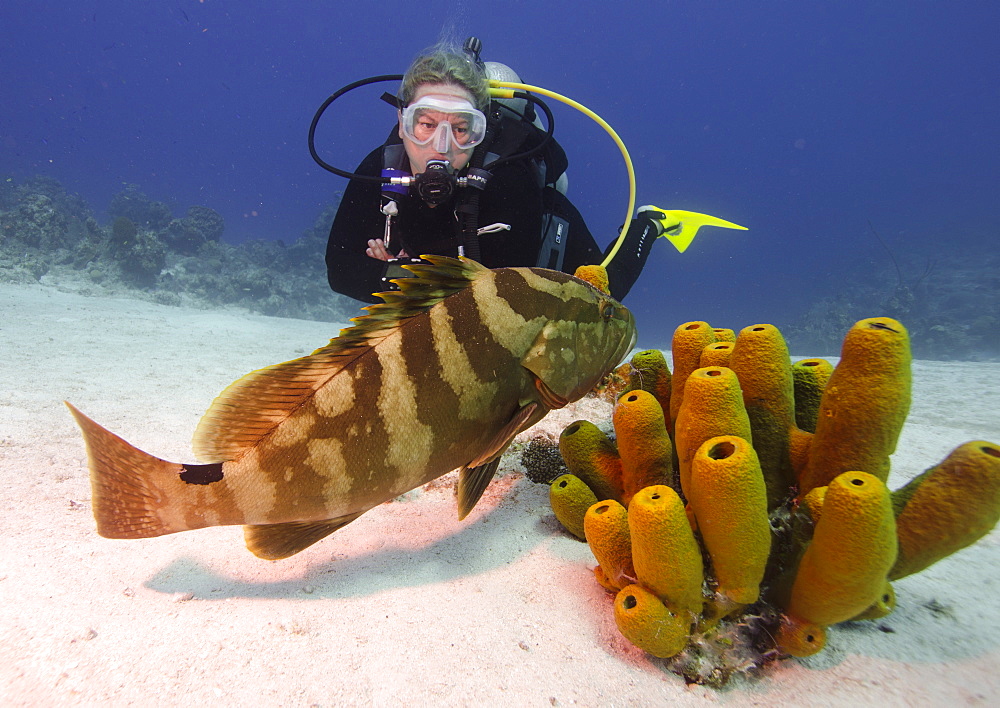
point(590, 455)
point(729, 500)
point(843, 570)
point(606, 526)
point(570, 498)
point(666, 556)
point(800, 638)
point(864, 405)
point(649, 624)
point(810, 377)
point(643, 443)
point(712, 405)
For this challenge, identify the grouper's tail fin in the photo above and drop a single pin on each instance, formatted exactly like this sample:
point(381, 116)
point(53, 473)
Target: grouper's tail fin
point(133, 494)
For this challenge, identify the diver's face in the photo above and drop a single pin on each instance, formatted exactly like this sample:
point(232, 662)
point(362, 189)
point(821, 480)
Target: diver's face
point(420, 154)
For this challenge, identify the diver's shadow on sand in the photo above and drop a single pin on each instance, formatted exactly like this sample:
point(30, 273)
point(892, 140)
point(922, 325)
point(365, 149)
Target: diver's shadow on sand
point(489, 542)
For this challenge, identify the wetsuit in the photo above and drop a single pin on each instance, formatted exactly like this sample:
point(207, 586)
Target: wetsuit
point(512, 196)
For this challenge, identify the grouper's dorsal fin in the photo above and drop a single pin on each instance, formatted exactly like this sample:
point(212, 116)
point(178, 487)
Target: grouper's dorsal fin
point(251, 407)
point(431, 283)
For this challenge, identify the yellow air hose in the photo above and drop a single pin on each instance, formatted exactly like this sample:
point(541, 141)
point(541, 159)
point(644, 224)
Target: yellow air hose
point(505, 89)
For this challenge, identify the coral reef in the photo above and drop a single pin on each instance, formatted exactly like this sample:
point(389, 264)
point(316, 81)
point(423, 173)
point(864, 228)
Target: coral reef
point(201, 225)
point(140, 254)
point(741, 537)
point(53, 237)
point(138, 208)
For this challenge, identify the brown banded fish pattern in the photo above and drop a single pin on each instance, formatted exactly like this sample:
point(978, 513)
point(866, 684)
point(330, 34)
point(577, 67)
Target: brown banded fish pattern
point(440, 376)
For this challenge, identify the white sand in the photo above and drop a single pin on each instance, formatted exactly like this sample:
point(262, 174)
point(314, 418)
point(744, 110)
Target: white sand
point(406, 606)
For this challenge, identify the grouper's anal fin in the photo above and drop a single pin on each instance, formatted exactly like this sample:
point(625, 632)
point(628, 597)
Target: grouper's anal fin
point(277, 541)
point(472, 482)
point(253, 406)
point(476, 475)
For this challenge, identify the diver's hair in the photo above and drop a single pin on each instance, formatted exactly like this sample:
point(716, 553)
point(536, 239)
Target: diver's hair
point(446, 64)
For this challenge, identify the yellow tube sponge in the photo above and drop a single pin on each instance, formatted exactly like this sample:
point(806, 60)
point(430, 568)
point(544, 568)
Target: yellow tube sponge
point(596, 276)
point(649, 624)
point(813, 503)
point(570, 498)
point(883, 606)
point(761, 362)
point(666, 556)
point(715, 355)
point(689, 339)
point(843, 571)
point(606, 526)
point(730, 503)
point(591, 456)
point(800, 638)
point(863, 406)
point(649, 372)
point(724, 335)
point(643, 442)
point(603, 580)
point(799, 443)
point(712, 406)
point(948, 507)
point(810, 377)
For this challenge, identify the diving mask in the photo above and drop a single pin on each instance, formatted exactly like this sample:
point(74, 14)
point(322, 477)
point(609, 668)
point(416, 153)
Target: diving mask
point(441, 122)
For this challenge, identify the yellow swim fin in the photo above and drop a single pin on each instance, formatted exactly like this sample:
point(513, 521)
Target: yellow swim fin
point(680, 227)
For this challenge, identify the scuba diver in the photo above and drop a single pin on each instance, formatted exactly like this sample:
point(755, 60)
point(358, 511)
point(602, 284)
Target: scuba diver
point(467, 173)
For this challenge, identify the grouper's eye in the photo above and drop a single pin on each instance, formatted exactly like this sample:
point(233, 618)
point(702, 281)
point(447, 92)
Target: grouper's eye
point(608, 310)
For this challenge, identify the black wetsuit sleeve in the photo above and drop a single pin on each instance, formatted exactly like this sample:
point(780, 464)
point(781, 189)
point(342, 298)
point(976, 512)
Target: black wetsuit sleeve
point(627, 265)
point(348, 269)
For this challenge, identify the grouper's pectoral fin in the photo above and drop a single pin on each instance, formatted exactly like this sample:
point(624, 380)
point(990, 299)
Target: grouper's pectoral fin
point(277, 541)
point(476, 475)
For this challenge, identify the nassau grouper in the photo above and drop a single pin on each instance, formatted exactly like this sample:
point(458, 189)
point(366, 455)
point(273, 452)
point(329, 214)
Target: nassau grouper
point(440, 376)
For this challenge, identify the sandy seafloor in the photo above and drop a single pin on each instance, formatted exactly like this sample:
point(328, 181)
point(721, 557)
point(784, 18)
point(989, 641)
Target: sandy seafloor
point(407, 605)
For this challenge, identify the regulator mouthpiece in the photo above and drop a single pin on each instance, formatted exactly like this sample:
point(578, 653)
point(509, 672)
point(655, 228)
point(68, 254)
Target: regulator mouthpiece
point(436, 183)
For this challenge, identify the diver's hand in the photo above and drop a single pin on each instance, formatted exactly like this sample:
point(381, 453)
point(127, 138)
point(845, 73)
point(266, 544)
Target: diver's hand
point(376, 249)
point(654, 214)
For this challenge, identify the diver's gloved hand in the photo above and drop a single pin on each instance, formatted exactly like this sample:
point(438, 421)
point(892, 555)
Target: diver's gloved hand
point(655, 214)
point(678, 226)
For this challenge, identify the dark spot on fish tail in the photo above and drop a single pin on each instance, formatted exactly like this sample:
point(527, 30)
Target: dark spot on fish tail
point(879, 325)
point(202, 474)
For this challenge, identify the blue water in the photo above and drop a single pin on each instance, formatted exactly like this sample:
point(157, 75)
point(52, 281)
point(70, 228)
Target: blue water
point(802, 121)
